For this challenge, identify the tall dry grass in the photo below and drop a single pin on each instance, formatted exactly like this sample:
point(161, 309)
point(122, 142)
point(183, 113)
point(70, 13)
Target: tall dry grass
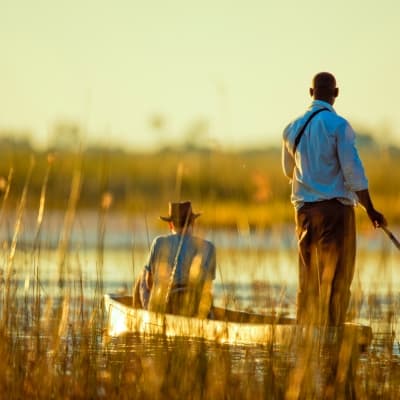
point(53, 346)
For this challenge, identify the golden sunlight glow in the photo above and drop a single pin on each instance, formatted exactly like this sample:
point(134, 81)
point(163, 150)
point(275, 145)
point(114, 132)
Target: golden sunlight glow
point(117, 324)
point(242, 77)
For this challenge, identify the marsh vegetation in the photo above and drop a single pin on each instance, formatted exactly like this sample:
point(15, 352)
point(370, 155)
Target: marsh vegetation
point(74, 226)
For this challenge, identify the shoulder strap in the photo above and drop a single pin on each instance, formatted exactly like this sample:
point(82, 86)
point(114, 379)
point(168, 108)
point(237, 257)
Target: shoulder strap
point(300, 134)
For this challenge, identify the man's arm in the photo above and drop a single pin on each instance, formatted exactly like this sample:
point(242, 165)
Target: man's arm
point(206, 299)
point(206, 295)
point(146, 279)
point(375, 216)
point(287, 161)
point(354, 173)
point(145, 285)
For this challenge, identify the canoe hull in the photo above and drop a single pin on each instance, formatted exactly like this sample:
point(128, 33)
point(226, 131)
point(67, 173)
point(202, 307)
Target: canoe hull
point(229, 327)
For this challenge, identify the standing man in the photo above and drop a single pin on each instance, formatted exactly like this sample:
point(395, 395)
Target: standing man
point(320, 159)
point(178, 275)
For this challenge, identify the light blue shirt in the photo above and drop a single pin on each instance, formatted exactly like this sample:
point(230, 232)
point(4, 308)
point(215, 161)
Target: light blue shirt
point(181, 250)
point(187, 254)
point(326, 164)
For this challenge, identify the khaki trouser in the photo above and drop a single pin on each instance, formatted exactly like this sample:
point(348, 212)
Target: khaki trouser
point(327, 246)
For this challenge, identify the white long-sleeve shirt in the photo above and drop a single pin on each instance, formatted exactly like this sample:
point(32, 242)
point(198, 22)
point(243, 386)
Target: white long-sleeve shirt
point(326, 164)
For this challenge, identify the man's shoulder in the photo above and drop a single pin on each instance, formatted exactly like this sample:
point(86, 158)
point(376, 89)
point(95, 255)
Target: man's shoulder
point(335, 119)
point(161, 239)
point(204, 243)
point(327, 114)
point(296, 122)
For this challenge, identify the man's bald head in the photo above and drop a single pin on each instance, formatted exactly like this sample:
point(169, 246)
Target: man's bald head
point(324, 88)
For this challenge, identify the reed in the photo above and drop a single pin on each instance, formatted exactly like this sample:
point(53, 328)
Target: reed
point(53, 345)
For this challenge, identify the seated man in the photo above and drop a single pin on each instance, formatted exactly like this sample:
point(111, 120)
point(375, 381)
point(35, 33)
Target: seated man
point(180, 269)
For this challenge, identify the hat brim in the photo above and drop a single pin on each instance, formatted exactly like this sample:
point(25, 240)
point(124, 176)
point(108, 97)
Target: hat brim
point(171, 219)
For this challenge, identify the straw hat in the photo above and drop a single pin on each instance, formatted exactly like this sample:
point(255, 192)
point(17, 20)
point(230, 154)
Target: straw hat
point(180, 212)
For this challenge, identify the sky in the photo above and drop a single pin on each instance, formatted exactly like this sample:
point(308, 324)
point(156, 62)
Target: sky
point(240, 69)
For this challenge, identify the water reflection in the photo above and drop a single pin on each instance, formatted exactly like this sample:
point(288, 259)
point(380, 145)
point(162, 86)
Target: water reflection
point(199, 369)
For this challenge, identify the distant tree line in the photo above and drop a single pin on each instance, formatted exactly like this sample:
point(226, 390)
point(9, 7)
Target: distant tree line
point(138, 181)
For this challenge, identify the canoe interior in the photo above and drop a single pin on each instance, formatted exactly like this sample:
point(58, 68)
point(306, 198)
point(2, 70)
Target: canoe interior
point(223, 314)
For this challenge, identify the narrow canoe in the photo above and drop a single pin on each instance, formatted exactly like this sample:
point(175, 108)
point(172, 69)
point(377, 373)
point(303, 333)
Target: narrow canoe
point(227, 326)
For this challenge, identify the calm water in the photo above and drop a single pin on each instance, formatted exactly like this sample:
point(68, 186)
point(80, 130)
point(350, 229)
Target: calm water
point(255, 270)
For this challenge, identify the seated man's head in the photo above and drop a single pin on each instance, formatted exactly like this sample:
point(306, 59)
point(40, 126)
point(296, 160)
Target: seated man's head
point(180, 215)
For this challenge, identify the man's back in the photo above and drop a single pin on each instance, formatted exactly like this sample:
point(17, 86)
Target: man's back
point(182, 251)
point(326, 163)
point(190, 262)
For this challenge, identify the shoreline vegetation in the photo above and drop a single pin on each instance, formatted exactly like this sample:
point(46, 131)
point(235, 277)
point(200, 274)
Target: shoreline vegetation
point(233, 190)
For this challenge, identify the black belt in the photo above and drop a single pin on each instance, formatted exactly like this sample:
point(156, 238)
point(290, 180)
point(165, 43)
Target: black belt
point(312, 203)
